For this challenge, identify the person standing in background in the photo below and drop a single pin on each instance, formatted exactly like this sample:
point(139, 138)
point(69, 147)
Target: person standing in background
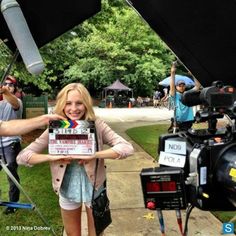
point(10, 109)
point(183, 116)
point(156, 98)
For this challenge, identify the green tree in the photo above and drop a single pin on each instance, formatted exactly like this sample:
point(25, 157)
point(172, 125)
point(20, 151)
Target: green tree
point(122, 47)
point(19, 71)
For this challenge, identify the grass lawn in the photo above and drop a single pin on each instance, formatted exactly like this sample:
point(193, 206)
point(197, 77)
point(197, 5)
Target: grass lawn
point(36, 182)
point(148, 137)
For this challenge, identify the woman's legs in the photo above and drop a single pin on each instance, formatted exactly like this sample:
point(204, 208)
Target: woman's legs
point(91, 227)
point(72, 221)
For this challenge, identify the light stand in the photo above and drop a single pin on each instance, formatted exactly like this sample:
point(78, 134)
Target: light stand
point(9, 174)
point(7, 71)
point(20, 205)
point(175, 121)
point(174, 104)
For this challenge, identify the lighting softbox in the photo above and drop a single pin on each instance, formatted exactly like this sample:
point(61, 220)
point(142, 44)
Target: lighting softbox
point(201, 34)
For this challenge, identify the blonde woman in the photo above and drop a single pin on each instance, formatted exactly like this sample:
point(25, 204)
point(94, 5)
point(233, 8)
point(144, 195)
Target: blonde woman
point(73, 181)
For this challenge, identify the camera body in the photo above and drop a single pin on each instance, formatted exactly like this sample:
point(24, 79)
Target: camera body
point(197, 166)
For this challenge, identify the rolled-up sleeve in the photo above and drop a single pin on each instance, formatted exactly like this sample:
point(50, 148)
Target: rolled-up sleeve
point(38, 146)
point(115, 141)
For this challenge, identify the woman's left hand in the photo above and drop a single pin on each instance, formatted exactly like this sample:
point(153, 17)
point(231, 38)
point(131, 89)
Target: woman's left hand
point(83, 159)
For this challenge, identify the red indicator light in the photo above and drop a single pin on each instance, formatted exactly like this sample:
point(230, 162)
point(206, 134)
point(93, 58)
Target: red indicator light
point(153, 187)
point(151, 205)
point(169, 186)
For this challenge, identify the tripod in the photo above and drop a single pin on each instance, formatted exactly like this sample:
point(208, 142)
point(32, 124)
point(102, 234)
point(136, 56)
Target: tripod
point(3, 165)
point(31, 205)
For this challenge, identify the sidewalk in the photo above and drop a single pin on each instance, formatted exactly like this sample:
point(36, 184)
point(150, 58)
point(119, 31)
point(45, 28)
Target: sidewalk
point(130, 218)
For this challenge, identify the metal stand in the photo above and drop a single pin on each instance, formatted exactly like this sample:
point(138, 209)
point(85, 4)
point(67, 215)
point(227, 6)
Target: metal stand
point(22, 205)
point(175, 121)
point(7, 71)
point(4, 166)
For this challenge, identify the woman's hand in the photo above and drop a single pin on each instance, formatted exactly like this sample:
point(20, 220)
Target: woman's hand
point(83, 159)
point(61, 158)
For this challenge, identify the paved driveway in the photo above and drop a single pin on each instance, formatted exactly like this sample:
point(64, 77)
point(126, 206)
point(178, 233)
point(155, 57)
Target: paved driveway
point(128, 212)
point(130, 218)
point(148, 114)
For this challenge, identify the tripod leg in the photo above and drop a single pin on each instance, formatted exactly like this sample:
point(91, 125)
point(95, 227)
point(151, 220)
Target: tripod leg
point(4, 167)
point(17, 205)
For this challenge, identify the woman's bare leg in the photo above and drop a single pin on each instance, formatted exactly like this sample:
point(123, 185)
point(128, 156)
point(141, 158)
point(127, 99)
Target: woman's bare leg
point(72, 221)
point(91, 227)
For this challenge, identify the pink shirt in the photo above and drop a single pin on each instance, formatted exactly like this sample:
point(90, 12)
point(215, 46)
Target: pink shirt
point(105, 136)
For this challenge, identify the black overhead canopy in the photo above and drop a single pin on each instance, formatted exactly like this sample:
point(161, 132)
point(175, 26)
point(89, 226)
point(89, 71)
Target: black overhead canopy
point(48, 19)
point(117, 85)
point(201, 34)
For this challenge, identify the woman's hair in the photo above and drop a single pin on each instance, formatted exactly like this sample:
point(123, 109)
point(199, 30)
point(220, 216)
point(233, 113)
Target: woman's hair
point(86, 100)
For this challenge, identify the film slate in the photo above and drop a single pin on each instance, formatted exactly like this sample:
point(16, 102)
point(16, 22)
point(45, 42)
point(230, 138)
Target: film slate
point(72, 137)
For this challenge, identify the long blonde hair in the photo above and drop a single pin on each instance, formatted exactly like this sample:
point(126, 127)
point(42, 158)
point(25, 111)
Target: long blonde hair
point(86, 100)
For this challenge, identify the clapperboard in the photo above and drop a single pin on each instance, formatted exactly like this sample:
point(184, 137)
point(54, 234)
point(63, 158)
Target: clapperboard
point(72, 137)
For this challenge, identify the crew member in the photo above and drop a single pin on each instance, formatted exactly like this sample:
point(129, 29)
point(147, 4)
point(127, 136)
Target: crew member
point(10, 108)
point(183, 116)
point(19, 127)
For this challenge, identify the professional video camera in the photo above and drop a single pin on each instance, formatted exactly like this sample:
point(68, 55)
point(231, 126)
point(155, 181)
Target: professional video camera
point(197, 167)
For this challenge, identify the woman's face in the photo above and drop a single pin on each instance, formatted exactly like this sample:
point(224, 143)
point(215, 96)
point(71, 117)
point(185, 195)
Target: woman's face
point(74, 108)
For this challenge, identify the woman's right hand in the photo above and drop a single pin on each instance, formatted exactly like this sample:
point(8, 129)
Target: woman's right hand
point(61, 158)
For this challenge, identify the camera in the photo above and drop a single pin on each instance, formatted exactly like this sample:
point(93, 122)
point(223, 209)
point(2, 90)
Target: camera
point(197, 166)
